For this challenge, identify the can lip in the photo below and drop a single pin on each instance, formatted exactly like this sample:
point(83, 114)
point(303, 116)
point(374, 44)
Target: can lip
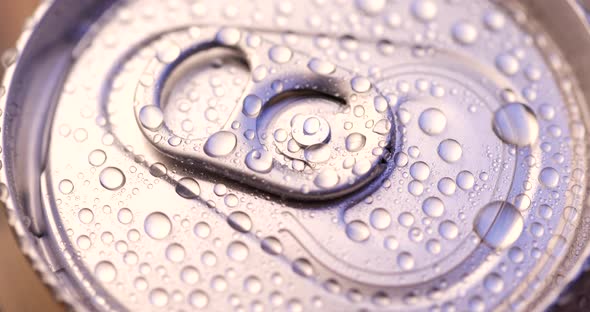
point(27, 240)
point(16, 219)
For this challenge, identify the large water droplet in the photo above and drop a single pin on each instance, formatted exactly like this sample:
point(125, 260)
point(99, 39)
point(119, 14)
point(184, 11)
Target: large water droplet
point(450, 150)
point(464, 33)
point(220, 144)
point(188, 188)
point(516, 123)
point(499, 224)
point(355, 142)
point(112, 178)
point(151, 117)
point(280, 54)
point(549, 177)
point(432, 121)
point(327, 179)
point(433, 207)
point(321, 67)
point(424, 10)
point(357, 231)
point(240, 221)
point(380, 218)
point(259, 161)
point(198, 299)
point(237, 251)
point(370, 7)
point(97, 157)
point(105, 271)
point(157, 225)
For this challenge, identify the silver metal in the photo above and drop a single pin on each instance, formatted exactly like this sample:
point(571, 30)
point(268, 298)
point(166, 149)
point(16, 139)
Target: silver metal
point(312, 155)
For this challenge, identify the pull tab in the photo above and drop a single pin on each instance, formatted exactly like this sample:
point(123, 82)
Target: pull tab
point(299, 127)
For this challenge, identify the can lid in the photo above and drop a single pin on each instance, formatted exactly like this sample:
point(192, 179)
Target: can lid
point(413, 154)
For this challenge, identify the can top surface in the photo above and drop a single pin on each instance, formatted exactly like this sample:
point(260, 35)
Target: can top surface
point(321, 155)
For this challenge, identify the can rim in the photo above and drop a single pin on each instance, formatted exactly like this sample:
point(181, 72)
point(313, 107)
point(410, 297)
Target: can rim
point(25, 239)
point(28, 242)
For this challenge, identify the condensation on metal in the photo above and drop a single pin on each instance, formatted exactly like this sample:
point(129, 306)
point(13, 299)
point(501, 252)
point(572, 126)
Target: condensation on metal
point(312, 155)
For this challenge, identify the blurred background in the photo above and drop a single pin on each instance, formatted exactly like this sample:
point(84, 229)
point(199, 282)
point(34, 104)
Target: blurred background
point(20, 288)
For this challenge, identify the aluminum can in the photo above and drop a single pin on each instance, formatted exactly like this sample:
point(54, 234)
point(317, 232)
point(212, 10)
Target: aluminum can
point(310, 155)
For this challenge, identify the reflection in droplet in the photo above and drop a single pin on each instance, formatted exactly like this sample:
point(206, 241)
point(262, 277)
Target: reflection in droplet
point(188, 188)
point(240, 221)
point(499, 224)
point(357, 231)
point(157, 225)
point(517, 124)
point(112, 178)
point(432, 121)
point(220, 144)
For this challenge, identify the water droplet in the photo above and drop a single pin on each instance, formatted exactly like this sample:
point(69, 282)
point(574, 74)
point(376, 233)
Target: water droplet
point(424, 10)
point(371, 7)
point(202, 229)
point(237, 251)
point(83, 242)
point(405, 261)
point(450, 150)
point(433, 207)
point(380, 218)
point(432, 121)
point(464, 33)
point(175, 252)
point(190, 275)
point(66, 186)
point(447, 186)
point(125, 216)
point(549, 177)
point(228, 36)
point(188, 188)
point(499, 224)
point(105, 271)
point(357, 231)
point(355, 142)
point(465, 180)
point(220, 144)
point(516, 124)
point(198, 299)
point(420, 171)
point(259, 161)
point(271, 245)
point(448, 229)
point(507, 64)
point(218, 283)
point(159, 297)
point(158, 170)
point(112, 178)
point(252, 106)
point(494, 20)
point(302, 267)
point(360, 84)
point(253, 285)
point(326, 179)
point(85, 215)
point(157, 225)
point(280, 54)
point(240, 221)
point(97, 157)
point(321, 67)
point(151, 117)
point(494, 283)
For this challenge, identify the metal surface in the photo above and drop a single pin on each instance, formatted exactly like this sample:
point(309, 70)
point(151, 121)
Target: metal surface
point(346, 155)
